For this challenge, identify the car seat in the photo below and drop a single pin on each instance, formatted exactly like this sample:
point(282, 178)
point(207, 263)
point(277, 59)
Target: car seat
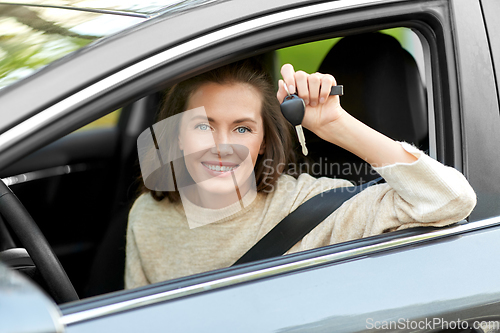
point(107, 271)
point(383, 89)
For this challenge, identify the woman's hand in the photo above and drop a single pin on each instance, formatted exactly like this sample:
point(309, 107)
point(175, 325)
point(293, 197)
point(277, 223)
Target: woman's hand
point(321, 108)
point(325, 117)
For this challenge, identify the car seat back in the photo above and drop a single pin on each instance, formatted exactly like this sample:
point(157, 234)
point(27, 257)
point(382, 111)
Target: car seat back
point(383, 89)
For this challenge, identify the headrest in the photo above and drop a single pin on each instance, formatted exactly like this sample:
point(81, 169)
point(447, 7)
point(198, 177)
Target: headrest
point(382, 85)
point(383, 89)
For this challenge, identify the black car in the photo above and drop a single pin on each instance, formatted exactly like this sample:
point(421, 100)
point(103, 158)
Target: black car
point(68, 151)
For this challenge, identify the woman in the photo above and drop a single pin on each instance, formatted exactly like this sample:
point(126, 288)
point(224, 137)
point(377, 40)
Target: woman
point(220, 208)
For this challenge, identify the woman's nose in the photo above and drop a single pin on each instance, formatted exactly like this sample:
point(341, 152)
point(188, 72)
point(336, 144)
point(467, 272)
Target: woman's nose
point(222, 149)
point(222, 144)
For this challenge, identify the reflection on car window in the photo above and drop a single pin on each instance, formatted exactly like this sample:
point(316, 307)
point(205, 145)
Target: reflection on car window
point(32, 37)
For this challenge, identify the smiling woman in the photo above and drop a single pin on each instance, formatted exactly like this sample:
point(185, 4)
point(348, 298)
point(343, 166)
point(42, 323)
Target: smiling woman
point(222, 146)
point(218, 187)
point(247, 94)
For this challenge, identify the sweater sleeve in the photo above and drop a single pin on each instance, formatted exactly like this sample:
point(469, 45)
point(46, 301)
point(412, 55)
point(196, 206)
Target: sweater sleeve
point(426, 192)
point(134, 273)
point(422, 193)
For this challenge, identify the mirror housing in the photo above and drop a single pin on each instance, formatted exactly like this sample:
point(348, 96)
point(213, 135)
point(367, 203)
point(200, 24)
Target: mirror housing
point(24, 306)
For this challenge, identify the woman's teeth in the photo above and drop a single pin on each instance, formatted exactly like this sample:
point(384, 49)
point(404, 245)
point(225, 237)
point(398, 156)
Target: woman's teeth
point(219, 168)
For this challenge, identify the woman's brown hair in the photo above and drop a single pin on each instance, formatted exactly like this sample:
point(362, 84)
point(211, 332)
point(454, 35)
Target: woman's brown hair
point(277, 131)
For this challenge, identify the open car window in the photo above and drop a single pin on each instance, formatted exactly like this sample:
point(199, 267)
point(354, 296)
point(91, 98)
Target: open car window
point(107, 157)
point(386, 92)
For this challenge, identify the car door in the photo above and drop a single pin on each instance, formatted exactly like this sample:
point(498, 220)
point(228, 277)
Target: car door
point(400, 279)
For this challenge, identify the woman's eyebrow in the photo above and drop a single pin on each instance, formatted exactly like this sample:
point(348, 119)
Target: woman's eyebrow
point(242, 120)
point(237, 121)
point(201, 118)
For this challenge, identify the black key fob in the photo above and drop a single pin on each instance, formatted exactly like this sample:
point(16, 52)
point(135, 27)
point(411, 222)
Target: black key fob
point(293, 109)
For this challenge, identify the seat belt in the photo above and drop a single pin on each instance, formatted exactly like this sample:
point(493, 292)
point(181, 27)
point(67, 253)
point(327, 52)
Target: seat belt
point(300, 222)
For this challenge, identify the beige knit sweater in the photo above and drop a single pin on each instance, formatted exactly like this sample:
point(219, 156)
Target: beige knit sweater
point(161, 246)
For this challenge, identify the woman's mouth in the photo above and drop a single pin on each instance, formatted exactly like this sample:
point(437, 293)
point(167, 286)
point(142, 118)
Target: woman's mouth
point(220, 168)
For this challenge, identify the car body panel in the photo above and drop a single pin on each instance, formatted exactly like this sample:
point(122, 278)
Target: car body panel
point(489, 9)
point(411, 283)
point(478, 92)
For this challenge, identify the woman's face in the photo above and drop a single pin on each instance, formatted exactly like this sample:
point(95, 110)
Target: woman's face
point(222, 135)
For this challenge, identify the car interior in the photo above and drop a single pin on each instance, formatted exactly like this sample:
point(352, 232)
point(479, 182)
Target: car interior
point(80, 188)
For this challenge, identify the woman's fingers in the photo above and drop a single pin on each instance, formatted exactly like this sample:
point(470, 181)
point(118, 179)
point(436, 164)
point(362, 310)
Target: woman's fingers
point(281, 94)
point(314, 88)
point(288, 74)
point(327, 81)
point(302, 85)
point(314, 84)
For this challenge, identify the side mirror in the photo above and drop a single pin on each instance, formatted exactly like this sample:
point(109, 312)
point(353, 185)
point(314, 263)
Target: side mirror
point(24, 306)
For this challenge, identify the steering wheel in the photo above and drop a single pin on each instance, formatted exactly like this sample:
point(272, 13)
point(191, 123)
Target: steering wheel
point(35, 243)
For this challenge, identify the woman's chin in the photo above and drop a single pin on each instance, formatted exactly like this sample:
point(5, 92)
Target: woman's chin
point(218, 186)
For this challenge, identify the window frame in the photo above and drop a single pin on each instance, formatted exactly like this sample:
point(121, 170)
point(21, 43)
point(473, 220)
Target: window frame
point(478, 102)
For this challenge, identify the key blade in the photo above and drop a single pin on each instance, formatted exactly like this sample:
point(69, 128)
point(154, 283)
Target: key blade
point(304, 150)
point(302, 139)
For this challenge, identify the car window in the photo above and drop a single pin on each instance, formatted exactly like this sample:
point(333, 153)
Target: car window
point(397, 120)
point(119, 171)
point(32, 37)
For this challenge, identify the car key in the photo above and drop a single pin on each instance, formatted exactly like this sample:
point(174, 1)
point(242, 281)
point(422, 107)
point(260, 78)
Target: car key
point(293, 109)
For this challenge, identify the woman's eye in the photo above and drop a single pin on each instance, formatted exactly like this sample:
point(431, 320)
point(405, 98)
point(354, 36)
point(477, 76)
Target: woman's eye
point(203, 127)
point(243, 130)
